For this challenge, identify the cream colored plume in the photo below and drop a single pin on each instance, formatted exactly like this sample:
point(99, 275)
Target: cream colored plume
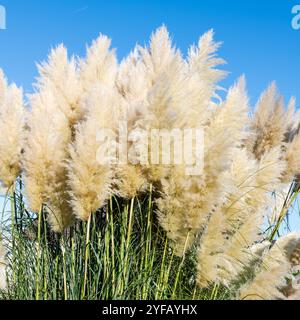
point(291, 244)
point(99, 66)
point(292, 157)
point(90, 167)
point(56, 109)
point(269, 278)
point(132, 84)
point(132, 81)
point(187, 202)
point(203, 61)
point(12, 126)
point(90, 181)
point(252, 182)
point(165, 101)
point(254, 198)
point(270, 281)
point(45, 154)
point(270, 123)
point(59, 76)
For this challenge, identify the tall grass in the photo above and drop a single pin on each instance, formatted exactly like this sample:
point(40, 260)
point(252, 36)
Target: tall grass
point(120, 253)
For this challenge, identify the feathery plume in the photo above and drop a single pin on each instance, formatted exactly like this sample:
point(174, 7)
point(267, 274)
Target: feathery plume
point(270, 123)
point(255, 196)
point(203, 60)
point(45, 154)
point(186, 205)
point(11, 123)
point(59, 91)
point(267, 283)
point(132, 84)
point(270, 278)
point(100, 65)
point(91, 180)
point(291, 244)
point(252, 182)
point(59, 75)
point(164, 105)
point(292, 157)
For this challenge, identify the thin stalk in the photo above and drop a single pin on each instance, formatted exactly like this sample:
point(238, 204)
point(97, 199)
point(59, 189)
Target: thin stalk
point(129, 232)
point(13, 216)
point(149, 227)
point(73, 259)
point(87, 254)
point(130, 224)
point(121, 273)
point(148, 241)
point(180, 267)
point(194, 293)
point(63, 249)
point(112, 246)
point(37, 289)
point(107, 257)
point(55, 278)
point(167, 273)
point(45, 260)
point(214, 292)
point(162, 270)
point(21, 202)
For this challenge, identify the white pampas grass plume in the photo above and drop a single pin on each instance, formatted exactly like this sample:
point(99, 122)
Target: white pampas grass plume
point(130, 181)
point(132, 81)
point(132, 84)
point(292, 157)
point(270, 278)
point(90, 179)
point(12, 125)
point(59, 75)
point(159, 56)
point(270, 123)
point(252, 181)
point(290, 243)
point(164, 102)
point(59, 92)
point(186, 204)
point(254, 194)
point(45, 154)
point(210, 245)
point(99, 66)
point(203, 60)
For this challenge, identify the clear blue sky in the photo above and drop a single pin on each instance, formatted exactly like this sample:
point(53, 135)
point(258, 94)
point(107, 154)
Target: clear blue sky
point(258, 38)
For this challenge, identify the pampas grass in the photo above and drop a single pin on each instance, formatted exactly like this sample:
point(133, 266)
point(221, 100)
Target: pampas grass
point(12, 122)
point(94, 217)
